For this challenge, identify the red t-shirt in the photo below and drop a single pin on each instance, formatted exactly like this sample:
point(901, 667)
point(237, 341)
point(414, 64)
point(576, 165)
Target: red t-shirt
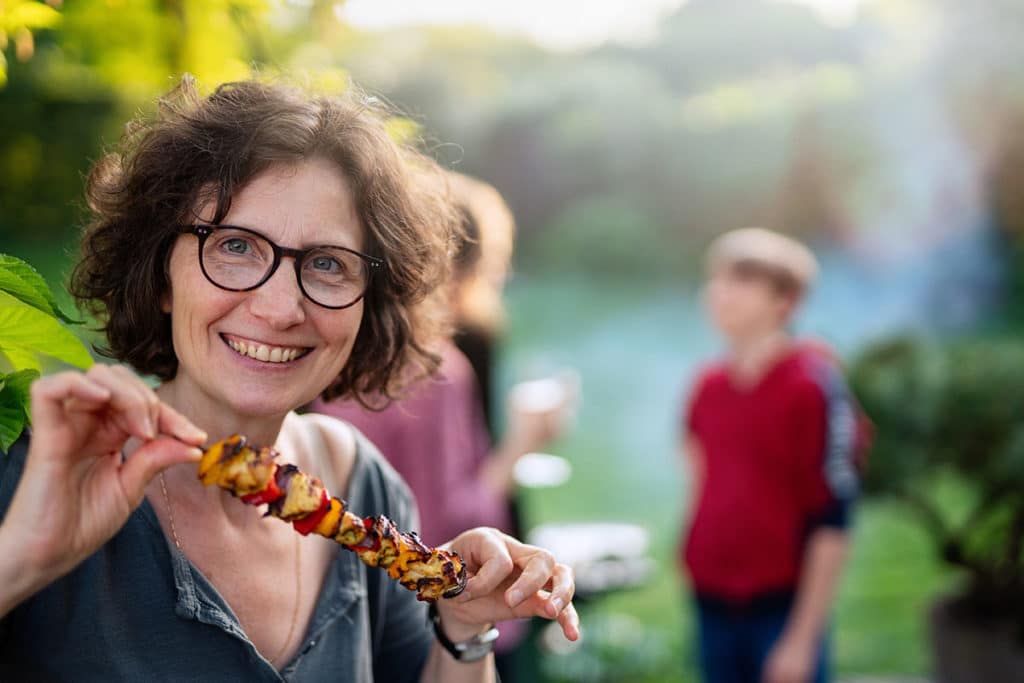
point(778, 460)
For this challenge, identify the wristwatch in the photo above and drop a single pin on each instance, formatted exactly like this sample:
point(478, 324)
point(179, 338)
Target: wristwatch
point(472, 650)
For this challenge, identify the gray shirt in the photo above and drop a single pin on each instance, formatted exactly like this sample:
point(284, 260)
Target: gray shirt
point(139, 610)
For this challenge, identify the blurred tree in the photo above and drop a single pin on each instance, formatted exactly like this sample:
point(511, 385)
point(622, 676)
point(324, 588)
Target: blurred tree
point(18, 19)
point(950, 419)
point(90, 72)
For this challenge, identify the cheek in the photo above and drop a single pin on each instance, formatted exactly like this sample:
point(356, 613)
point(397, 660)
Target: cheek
point(341, 329)
point(722, 301)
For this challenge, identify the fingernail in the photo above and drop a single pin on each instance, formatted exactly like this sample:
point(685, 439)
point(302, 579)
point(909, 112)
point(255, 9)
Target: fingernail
point(557, 604)
point(149, 431)
point(195, 453)
point(515, 597)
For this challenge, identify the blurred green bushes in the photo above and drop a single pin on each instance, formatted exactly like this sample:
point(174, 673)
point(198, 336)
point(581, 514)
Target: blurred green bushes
point(950, 445)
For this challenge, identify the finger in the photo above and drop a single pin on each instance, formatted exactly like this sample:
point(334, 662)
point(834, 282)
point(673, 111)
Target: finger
point(569, 620)
point(148, 397)
point(173, 423)
point(150, 459)
point(534, 577)
point(131, 406)
point(562, 589)
point(49, 395)
point(495, 566)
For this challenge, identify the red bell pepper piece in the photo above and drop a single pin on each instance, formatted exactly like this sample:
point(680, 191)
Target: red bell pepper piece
point(269, 494)
point(305, 525)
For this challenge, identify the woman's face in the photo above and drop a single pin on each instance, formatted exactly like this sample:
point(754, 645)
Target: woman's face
point(295, 205)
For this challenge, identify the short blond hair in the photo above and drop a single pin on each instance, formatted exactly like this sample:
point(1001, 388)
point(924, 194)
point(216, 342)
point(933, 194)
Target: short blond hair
point(786, 263)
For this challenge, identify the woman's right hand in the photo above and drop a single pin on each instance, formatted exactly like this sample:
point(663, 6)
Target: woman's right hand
point(76, 490)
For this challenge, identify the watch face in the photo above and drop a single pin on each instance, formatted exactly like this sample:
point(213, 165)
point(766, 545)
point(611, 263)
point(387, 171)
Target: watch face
point(477, 647)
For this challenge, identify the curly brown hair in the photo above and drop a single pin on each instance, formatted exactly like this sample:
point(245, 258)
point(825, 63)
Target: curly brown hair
point(200, 149)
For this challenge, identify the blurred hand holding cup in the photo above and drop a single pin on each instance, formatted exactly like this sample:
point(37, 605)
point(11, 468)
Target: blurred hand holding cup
point(539, 411)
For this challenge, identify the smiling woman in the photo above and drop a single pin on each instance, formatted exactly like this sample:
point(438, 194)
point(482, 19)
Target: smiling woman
point(190, 164)
point(253, 249)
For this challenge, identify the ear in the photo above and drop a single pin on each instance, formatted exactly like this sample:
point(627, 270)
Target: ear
point(165, 301)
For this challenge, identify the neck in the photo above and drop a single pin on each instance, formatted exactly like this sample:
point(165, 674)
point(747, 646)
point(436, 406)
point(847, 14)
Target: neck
point(218, 423)
point(753, 356)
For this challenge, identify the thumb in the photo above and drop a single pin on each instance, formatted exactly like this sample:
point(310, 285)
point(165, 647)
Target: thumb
point(150, 459)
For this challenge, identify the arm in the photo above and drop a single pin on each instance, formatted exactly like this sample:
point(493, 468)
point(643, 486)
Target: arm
point(442, 667)
point(528, 431)
point(693, 455)
point(794, 656)
point(825, 437)
point(75, 491)
point(478, 483)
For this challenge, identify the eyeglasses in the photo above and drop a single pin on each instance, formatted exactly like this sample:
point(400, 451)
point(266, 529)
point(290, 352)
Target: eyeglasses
point(240, 260)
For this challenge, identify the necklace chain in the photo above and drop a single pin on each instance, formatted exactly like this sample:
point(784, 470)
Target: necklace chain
point(298, 568)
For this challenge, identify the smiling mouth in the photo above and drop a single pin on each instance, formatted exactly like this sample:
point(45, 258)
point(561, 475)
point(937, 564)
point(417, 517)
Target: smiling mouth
point(266, 353)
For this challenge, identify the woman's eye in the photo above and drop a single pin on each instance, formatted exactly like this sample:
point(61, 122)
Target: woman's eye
point(326, 265)
point(236, 245)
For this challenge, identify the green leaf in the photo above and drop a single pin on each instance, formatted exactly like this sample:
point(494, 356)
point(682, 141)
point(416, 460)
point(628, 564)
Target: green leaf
point(18, 384)
point(23, 282)
point(12, 418)
point(12, 424)
point(26, 328)
point(20, 359)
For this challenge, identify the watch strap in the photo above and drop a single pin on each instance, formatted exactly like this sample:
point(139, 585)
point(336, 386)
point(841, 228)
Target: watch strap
point(471, 650)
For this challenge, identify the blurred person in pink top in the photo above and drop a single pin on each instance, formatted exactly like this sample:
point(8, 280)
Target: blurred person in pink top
point(439, 435)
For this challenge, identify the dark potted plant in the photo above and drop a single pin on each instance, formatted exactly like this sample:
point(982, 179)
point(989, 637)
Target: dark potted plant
point(950, 445)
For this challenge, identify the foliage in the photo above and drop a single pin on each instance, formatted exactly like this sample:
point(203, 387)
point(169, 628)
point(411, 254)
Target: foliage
point(18, 19)
point(29, 326)
point(949, 419)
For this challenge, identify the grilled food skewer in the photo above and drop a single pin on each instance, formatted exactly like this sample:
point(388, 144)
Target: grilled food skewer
point(253, 475)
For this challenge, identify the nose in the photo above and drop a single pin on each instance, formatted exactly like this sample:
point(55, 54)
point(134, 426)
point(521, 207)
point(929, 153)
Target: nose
point(279, 301)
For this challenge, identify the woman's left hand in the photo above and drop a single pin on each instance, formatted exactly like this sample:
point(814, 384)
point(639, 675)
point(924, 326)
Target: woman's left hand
point(509, 580)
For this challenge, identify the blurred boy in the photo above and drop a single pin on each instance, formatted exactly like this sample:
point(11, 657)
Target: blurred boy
point(771, 434)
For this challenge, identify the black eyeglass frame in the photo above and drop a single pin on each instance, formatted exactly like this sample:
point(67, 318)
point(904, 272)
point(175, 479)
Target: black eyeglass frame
point(203, 231)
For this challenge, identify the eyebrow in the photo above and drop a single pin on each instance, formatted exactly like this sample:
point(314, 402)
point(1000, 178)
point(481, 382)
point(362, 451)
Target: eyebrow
point(262, 234)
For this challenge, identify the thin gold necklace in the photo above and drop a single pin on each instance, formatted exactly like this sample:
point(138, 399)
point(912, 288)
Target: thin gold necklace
point(298, 567)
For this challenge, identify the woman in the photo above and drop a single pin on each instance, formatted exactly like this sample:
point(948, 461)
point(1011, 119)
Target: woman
point(252, 249)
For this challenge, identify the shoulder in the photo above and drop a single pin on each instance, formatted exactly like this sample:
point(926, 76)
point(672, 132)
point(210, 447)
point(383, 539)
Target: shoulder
point(369, 483)
point(816, 369)
point(455, 365)
point(372, 482)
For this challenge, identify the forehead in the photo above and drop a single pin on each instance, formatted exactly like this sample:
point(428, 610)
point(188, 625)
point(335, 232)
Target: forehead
point(297, 204)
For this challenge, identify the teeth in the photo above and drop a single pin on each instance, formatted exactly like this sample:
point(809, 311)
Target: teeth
point(262, 352)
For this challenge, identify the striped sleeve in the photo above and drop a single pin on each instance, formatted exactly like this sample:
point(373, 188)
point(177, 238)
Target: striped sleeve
point(831, 452)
